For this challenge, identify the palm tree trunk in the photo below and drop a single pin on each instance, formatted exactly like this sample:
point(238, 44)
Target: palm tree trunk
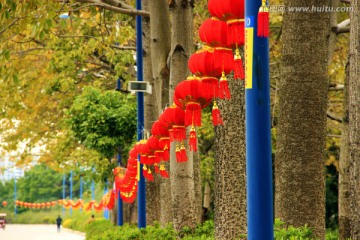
point(160, 48)
point(354, 120)
point(299, 164)
point(182, 174)
point(230, 166)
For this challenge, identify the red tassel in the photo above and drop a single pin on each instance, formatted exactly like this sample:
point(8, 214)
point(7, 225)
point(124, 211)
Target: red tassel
point(156, 168)
point(193, 114)
point(183, 156)
point(263, 20)
point(224, 91)
point(163, 172)
point(158, 156)
point(166, 155)
point(178, 153)
point(238, 68)
point(193, 140)
point(216, 117)
point(236, 32)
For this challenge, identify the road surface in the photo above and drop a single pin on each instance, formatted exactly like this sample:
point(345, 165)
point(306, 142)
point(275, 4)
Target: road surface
point(38, 232)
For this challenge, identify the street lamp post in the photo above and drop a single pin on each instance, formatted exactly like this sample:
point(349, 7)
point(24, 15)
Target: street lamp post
point(120, 202)
point(140, 119)
point(63, 193)
point(71, 189)
point(258, 136)
point(15, 209)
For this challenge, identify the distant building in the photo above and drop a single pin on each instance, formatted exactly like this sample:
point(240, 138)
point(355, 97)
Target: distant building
point(8, 170)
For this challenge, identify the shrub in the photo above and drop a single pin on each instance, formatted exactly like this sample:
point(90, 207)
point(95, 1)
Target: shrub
point(291, 233)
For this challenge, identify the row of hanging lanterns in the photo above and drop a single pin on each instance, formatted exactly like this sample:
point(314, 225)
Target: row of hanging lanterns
point(35, 205)
point(223, 34)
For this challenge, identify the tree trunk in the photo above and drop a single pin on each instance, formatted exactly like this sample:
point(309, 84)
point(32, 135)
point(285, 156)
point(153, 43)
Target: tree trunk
point(344, 168)
point(230, 166)
point(151, 115)
point(299, 164)
point(160, 49)
point(182, 174)
point(354, 119)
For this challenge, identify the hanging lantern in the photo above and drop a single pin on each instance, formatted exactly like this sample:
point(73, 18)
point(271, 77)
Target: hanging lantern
point(173, 119)
point(227, 9)
point(190, 96)
point(162, 134)
point(211, 62)
point(4, 203)
point(214, 32)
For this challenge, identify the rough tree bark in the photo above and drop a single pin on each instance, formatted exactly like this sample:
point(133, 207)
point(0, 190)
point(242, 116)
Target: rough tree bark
point(299, 164)
point(160, 49)
point(151, 115)
point(182, 174)
point(344, 168)
point(230, 166)
point(354, 119)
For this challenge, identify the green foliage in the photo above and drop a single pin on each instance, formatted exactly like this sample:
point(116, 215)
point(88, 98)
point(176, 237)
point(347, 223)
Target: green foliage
point(40, 184)
point(291, 233)
point(103, 121)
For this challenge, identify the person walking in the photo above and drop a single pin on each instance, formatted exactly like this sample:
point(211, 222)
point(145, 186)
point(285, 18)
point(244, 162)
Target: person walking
point(58, 223)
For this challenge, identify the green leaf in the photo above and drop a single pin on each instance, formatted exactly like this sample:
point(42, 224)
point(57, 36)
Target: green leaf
point(13, 6)
point(16, 78)
point(0, 6)
point(7, 54)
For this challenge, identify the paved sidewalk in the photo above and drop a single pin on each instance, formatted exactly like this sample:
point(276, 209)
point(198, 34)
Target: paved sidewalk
point(38, 232)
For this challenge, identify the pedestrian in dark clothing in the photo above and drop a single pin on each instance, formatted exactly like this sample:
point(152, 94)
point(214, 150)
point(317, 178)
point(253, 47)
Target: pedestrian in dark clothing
point(58, 223)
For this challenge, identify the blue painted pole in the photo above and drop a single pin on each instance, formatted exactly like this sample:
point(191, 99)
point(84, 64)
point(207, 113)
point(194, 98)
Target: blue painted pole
point(140, 118)
point(15, 209)
point(63, 192)
point(93, 190)
point(81, 189)
point(106, 211)
point(258, 136)
point(71, 188)
point(120, 218)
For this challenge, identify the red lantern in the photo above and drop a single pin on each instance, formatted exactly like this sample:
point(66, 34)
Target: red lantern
point(190, 96)
point(214, 32)
point(53, 203)
point(163, 171)
point(227, 9)
point(4, 203)
point(173, 118)
point(211, 62)
point(162, 133)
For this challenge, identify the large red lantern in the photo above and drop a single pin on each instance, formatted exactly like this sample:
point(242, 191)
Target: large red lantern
point(227, 9)
point(214, 32)
point(211, 62)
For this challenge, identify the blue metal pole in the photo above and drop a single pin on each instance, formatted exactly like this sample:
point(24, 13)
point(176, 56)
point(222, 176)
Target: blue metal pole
point(140, 118)
point(106, 211)
point(63, 192)
point(258, 136)
point(15, 209)
point(81, 189)
point(120, 218)
point(93, 190)
point(71, 187)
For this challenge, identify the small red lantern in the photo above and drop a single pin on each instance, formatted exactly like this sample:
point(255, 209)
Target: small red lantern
point(4, 203)
point(53, 203)
point(190, 96)
point(162, 133)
